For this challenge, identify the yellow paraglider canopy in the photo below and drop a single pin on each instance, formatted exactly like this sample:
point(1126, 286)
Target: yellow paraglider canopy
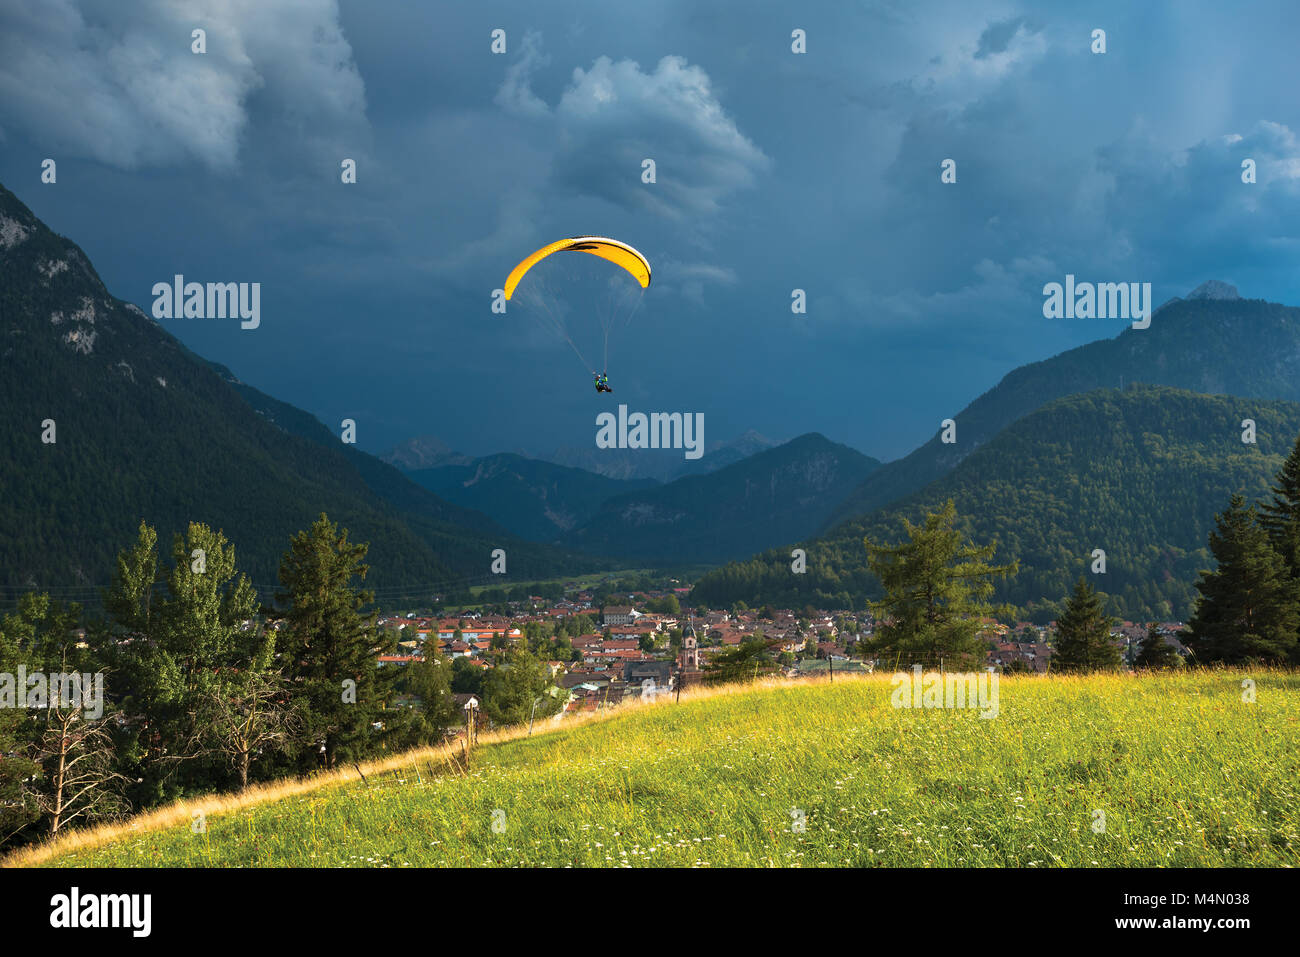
point(621, 254)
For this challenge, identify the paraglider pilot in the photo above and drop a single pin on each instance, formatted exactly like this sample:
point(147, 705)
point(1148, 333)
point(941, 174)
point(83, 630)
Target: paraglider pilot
point(602, 382)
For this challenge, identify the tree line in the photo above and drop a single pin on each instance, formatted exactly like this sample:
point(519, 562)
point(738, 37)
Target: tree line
point(205, 691)
point(938, 587)
point(1140, 473)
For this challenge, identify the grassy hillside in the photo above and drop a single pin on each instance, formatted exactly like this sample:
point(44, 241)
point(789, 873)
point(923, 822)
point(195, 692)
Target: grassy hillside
point(1187, 774)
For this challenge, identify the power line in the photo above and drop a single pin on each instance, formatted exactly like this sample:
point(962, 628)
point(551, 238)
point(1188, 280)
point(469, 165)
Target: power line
point(11, 594)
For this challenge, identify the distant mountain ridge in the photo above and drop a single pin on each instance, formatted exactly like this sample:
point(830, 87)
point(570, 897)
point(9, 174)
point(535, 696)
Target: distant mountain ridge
point(662, 466)
point(1138, 473)
point(423, 452)
point(756, 499)
point(428, 451)
point(536, 500)
point(1195, 343)
point(777, 495)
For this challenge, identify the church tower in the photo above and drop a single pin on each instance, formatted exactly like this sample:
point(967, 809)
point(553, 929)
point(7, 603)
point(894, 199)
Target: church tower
point(690, 650)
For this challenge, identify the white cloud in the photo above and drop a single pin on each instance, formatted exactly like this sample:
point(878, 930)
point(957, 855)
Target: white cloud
point(688, 280)
point(615, 115)
point(515, 95)
point(119, 82)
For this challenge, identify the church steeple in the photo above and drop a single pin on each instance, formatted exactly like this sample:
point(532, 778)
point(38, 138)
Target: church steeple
point(690, 658)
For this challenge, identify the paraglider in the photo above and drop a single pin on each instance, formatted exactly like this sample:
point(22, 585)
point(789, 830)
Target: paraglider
point(552, 294)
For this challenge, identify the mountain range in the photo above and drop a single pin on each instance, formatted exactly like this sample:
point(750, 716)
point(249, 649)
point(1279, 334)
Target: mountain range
point(1211, 342)
point(1138, 474)
point(780, 492)
point(751, 504)
point(536, 500)
point(110, 420)
point(428, 451)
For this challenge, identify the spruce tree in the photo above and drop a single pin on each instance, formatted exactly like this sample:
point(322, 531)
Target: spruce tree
point(1155, 652)
point(1083, 640)
point(331, 649)
point(1249, 609)
point(936, 593)
point(1280, 516)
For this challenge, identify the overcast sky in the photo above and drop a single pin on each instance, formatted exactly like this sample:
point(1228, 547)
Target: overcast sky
point(775, 171)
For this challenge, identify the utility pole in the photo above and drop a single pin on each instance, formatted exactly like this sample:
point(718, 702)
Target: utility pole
point(471, 710)
point(536, 702)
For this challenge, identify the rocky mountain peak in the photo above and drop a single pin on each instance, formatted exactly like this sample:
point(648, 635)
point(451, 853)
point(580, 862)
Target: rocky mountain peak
point(1214, 289)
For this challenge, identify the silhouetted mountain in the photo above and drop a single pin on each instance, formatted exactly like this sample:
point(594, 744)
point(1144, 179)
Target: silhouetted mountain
point(423, 452)
point(536, 500)
point(661, 465)
point(778, 495)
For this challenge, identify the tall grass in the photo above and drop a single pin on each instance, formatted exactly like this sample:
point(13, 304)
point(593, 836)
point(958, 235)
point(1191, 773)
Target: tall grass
point(1185, 772)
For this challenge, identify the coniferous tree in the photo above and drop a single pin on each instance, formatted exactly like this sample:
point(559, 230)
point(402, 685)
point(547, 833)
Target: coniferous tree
point(177, 647)
point(331, 649)
point(1155, 652)
point(1280, 516)
point(936, 593)
point(1249, 608)
point(430, 680)
point(1083, 640)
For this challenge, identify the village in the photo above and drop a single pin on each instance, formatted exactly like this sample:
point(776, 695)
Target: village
point(624, 651)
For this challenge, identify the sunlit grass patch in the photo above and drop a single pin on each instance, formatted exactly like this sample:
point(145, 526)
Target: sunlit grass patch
point(1181, 770)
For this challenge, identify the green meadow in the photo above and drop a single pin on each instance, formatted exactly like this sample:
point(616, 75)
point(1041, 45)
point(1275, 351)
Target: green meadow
point(1185, 772)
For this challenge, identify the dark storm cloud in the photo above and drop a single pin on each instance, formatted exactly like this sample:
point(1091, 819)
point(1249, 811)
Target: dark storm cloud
point(998, 36)
point(775, 171)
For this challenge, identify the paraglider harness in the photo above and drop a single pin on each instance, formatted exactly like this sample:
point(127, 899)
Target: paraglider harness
point(602, 382)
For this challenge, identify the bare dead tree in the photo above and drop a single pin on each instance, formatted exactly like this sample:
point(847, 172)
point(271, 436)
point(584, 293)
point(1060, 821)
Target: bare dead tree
point(80, 780)
point(246, 717)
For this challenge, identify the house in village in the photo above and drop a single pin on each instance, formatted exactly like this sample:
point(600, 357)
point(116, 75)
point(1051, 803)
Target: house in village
point(619, 615)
